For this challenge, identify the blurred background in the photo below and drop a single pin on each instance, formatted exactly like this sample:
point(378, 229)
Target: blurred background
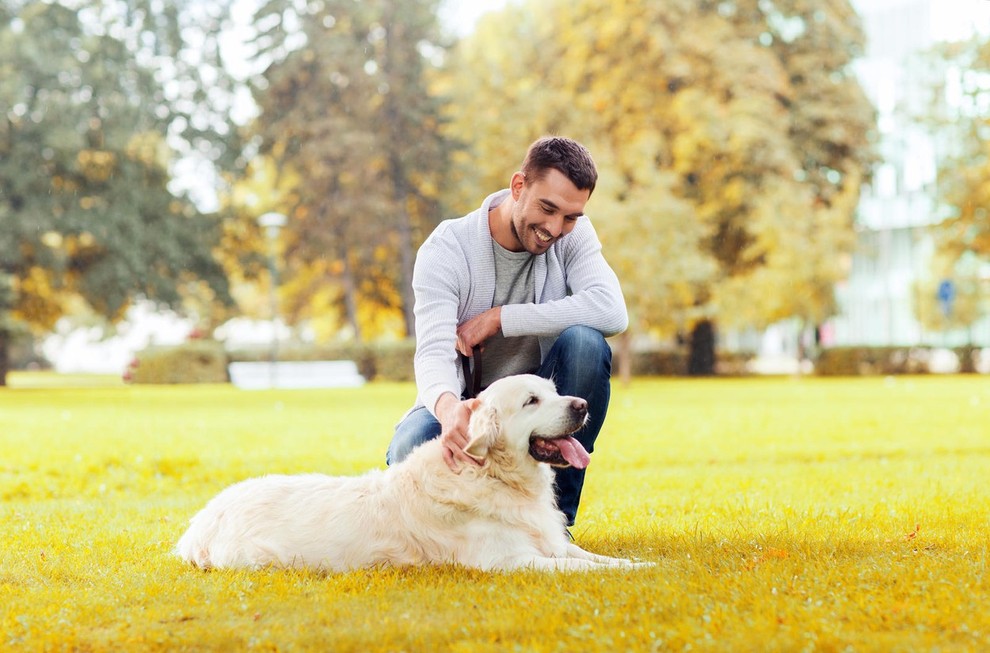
point(786, 186)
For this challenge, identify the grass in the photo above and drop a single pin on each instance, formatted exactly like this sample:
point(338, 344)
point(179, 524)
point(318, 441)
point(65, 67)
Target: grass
point(785, 515)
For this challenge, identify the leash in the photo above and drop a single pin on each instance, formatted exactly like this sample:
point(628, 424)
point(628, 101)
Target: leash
point(473, 382)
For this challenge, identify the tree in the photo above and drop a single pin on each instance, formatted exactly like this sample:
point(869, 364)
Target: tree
point(958, 116)
point(951, 298)
point(732, 136)
point(85, 206)
point(344, 108)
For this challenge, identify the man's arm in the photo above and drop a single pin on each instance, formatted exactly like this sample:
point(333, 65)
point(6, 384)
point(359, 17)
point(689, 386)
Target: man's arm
point(436, 284)
point(595, 298)
point(476, 331)
point(454, 416)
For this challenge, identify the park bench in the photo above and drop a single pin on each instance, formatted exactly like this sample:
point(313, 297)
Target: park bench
point(295, 374)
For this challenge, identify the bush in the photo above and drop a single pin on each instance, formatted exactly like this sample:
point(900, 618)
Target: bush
point(862, 361)
point(733, 363)
point(659, 362)
point(25, 352)
point(674, 362)
point(390, 361)
point(198, 361)
point(204, 361)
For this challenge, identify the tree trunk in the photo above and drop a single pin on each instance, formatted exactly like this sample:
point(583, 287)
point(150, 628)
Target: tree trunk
point(701, 360)
point(6, 304)
point(397, 170)
point(408, 260)
point(406, 256)
point(625, 357)
point(4, 356)
point(400, 199)
point(350, 298)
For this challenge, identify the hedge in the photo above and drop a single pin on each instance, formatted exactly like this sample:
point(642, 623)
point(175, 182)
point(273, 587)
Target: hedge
point(196, 361)
point(864, 361)
point(206, 361)
point(386, 361)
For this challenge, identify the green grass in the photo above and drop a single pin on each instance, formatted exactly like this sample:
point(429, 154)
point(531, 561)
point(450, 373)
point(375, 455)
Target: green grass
point(784, 514)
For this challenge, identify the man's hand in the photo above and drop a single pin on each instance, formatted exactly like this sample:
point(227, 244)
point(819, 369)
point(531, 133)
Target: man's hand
point(478, 329)
point(454, 416)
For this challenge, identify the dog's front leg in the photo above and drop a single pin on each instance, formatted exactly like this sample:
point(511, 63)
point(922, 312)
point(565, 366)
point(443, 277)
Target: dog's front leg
point(575, 563)
point(576, 552)
point(556, 564)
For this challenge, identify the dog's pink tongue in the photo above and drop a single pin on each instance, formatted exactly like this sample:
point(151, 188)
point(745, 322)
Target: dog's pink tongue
point(573, 452)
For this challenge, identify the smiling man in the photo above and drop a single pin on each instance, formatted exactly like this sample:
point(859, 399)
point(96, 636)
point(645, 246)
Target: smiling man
point(521, 286)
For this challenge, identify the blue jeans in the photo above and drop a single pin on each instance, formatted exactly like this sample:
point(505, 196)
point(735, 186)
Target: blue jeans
point(580, 363)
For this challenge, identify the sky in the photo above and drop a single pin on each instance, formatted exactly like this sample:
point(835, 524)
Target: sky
point(950, 19)
point(461, 15)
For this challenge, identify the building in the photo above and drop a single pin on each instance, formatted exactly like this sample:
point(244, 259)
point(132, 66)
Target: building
point(879, 301)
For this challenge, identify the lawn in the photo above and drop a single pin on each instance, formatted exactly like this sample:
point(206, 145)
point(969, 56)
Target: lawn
point(784, 515)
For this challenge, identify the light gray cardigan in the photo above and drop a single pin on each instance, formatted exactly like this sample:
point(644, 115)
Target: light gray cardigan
point(454, 280)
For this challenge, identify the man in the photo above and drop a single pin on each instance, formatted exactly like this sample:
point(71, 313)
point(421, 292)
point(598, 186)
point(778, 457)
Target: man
point(523, 278)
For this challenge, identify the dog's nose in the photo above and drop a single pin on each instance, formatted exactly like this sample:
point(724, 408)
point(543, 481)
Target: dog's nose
point(579, 406)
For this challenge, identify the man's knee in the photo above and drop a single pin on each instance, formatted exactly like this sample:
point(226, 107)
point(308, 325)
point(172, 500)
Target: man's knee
point(418, 427)
point(398, 449)
point(580, 363)
point(582, 343)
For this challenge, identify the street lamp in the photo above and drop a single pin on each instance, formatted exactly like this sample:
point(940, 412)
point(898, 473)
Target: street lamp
point(272, 223)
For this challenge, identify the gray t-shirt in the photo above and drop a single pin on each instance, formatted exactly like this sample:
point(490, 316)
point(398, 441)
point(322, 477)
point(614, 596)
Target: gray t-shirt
point(514, 284)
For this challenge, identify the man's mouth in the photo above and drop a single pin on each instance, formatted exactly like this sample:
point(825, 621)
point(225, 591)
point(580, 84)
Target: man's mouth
point(543, 236)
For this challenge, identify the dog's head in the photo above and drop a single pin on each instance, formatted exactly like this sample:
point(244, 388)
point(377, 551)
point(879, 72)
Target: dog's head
point(524, 414)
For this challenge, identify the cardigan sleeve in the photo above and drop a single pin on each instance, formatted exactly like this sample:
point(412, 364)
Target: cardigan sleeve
point(437, 277)
point(591, 295)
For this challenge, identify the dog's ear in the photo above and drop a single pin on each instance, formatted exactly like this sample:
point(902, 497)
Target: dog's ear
point(483, 429)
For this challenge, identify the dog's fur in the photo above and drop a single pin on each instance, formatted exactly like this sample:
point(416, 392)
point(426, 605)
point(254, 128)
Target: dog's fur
point(499, 515)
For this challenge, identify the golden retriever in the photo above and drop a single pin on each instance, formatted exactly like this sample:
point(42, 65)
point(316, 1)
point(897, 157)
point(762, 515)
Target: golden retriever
point(497, 516)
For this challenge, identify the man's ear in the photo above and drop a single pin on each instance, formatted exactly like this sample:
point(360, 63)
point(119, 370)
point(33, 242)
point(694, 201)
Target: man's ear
point(483, 430)
point(516, 184)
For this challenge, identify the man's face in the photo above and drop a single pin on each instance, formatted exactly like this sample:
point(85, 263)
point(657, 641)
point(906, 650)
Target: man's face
point(545, 210)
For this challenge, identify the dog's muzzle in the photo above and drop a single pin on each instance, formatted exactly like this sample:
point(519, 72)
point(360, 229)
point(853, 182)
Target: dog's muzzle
point(563, 450)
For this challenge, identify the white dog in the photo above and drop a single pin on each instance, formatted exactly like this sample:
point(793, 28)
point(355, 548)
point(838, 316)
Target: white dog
point(500, 515)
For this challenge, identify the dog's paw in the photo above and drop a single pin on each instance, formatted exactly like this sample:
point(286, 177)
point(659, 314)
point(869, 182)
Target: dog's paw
point(625, 563)
point(642, 563)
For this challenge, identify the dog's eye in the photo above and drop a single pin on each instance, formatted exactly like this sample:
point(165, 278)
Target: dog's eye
point(531, 400)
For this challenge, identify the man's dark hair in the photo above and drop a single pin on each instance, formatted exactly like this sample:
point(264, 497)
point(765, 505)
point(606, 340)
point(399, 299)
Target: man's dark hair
point(568, 156)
